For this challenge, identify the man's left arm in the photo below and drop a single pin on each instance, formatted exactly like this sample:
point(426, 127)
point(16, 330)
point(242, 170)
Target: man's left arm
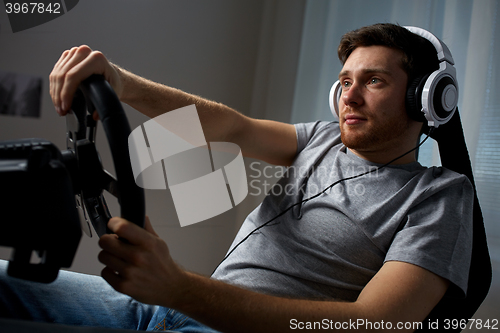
point(399, 293)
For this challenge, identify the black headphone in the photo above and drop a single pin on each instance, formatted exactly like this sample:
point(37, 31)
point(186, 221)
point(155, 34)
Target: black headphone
point(432, 97)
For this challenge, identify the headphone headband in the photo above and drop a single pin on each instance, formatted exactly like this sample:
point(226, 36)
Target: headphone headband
point(443, 52)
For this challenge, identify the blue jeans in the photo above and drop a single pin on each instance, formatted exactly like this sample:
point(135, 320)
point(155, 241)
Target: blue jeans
point(86, 300)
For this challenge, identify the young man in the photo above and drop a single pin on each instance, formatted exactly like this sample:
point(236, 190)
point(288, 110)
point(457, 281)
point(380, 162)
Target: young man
point(374, 252)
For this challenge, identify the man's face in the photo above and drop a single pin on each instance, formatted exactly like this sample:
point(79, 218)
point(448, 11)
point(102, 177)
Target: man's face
point(372, 106)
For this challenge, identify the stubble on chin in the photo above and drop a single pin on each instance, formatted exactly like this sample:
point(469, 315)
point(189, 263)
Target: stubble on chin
point(372, 137)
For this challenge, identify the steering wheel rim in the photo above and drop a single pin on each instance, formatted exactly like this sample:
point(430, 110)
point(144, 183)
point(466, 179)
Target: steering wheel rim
point(99, 95)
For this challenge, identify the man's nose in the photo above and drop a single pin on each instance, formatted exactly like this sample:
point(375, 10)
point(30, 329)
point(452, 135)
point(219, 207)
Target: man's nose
point(353, 96)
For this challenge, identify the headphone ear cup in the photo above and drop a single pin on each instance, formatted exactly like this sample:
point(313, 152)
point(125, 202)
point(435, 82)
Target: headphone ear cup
point(334, 99)
point(445, 98)
point(414, 98)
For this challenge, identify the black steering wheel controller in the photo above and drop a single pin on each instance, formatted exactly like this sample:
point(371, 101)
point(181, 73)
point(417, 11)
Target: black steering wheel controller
point(43, 188)
point(89, 177)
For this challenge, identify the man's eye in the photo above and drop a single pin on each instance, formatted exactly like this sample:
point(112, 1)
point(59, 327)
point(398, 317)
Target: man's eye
point(346, 84)
point(374, 81)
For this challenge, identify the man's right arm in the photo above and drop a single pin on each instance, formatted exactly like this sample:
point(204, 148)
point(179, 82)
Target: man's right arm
point(270, 141)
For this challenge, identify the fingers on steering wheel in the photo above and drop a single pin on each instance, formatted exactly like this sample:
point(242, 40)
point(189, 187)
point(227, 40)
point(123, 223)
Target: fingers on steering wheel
point(59, 72)
point(129, 231)
point(73, 72)
point(54, 77)
point(73, 67)
point(148, 226)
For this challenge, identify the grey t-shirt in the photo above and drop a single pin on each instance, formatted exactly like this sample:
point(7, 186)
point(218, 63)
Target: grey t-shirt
point(331, 246)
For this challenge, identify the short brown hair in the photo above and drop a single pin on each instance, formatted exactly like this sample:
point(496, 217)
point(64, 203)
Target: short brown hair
point(419, 55)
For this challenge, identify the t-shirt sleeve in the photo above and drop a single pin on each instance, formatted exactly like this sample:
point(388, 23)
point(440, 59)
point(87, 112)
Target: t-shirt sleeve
point(437, 235)
point(306, 132)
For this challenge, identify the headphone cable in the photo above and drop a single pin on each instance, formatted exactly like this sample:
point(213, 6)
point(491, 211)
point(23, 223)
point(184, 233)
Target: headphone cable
point(317, 195)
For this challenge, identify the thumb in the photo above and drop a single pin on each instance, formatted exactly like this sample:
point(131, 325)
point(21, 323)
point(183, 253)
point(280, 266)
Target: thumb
point(148, 227)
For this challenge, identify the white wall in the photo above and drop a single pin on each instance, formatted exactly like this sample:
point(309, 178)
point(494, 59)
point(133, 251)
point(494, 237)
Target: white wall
point(211, 48)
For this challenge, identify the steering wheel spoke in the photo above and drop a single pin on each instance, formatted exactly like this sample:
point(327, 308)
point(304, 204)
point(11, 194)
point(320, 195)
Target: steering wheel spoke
point(111, 184)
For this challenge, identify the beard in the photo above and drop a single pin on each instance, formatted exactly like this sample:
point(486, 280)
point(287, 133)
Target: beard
point(374, 135)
